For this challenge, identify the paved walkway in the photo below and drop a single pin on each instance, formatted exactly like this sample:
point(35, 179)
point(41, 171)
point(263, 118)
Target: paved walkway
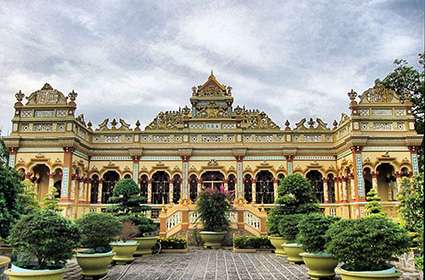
point(209, 265)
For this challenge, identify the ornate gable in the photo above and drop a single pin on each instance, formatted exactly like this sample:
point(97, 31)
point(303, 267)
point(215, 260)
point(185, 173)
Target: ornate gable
point(46, 95)
point(379, 94)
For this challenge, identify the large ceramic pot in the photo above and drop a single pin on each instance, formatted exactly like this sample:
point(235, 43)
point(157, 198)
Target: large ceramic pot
point(277, 243)
point(124, 251)
point(17, 273)
point(293, 251)
point(212, 239)
point(145, 245)
point(320, 265)
point(4, 264)
point(94, 265)
point(388, 274)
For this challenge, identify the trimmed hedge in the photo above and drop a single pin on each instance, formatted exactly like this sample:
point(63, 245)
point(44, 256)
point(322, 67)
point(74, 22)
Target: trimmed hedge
point(173, 243)
point(251, 242)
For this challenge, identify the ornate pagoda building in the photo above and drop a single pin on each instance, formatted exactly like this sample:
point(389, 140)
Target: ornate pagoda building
point(214, 144)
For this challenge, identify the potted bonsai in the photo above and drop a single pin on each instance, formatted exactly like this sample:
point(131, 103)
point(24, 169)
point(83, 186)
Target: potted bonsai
point(312, 235)
point(145, 237)
point(365, 246)
point(129, 206)
point(97, 231)
point(295, 196)
point(42, 242)
point(288, 229)
point(213, 207)
point(125, 247)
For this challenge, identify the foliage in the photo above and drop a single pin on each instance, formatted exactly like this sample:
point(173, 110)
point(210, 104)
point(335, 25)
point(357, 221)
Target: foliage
point(312, 231)
point(98, 230)
point(409, 83)
point(373, 205)
point(288, 226)
point(213, 207)
point(129, 230)
point(28, 198)
point(51, 202)
point(173, 243)
point(45, 235)
point(295, 195)
point(4, 155)
point(145, 225)
point(10, 191)
point(368, 243)
point(251, 242)
point(127, 199)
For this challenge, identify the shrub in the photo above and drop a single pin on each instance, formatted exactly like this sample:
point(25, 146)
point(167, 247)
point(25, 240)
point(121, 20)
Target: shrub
point(45, 236)
point(127, 199)
point(366, 244)
point(98, 230)
point(312, 232)
point(251, 242)
point(145, 225)
point(295, 196)
point(213, 207)
point(10, 191)
point(288, 226)
point(373, 205)
point(173, 243)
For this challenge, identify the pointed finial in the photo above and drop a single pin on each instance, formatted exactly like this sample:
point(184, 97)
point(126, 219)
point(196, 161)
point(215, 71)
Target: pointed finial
point(19, 96)
point(335, 123)
point(212, 75)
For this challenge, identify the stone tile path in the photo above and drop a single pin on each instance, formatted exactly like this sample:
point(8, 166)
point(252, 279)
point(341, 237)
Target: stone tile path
point(209, 265)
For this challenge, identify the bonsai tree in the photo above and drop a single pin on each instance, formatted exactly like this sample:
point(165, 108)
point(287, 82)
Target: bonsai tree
point(295, 196)
point(28, 198)
point(288, 227)
point(98, 230)
point(312, 232)
point(44, 237)
point(127, 199)
point(373, 206)
point(213, 208)
point(366, 244)
point(144, 225)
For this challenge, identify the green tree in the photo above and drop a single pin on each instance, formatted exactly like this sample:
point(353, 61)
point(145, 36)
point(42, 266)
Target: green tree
point(4, 155)
point(28, 198)
point(409, 83)
point(126, 198)
point(373, 206)
point(51, 202)
point(10, 206)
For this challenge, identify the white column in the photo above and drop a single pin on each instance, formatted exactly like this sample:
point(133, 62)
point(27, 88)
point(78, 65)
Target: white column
point(239, 177)
point(275, 188)
point(344, 189)
point(99, 191)
point(375, 181)
point(325, 191)
point(185, 193)
point(150, 191)
point(254, 190)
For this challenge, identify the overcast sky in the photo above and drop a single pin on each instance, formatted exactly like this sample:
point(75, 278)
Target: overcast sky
point(132, 59)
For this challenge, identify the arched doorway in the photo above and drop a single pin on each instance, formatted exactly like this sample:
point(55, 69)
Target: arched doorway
point(331, 188)
point(144, 183)
point(41, 180)
point(264, 191)
point(231, 186)
point(212, 179)
point(247, 187)
point(94, 189)
point(110, 178)
point(160, 188)
point(193, 187)
point(316, 179)
point(177, 181)
point(57, 179)
point(367, 176)
point(387, 187)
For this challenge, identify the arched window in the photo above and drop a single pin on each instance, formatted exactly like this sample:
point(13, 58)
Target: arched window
point(367, 176)
point(160, 188)
point(193, 187)
point(94, 190)
point(177, 182)
point(404, 172)
point(127, 176)
point(144, 182)
point(280, 178)
point(264, 187)
point(231, 186)
point(315, 177)
point(57, 179)
point(213, 179)
point(41, 180)
point(387, 188)
point(247, 184)
point(110, 178)
point(331, 188)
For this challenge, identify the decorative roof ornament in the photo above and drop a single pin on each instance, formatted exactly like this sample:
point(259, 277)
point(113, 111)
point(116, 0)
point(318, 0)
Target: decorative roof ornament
point(352, 95)
point(72, 96)
point(114, 124)
point(47, 96)
point(287, 125)
point(137, 126)
point(335, 124)
point(19, 96)
point(124, 125)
